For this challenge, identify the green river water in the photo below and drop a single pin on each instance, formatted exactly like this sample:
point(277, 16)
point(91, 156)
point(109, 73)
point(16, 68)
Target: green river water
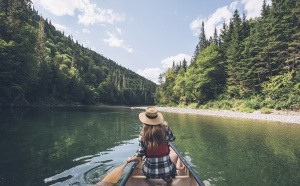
point(79, 145)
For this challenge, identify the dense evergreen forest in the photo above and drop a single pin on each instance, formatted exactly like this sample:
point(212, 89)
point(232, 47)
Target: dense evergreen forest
point(40, 65)
point(250, 64)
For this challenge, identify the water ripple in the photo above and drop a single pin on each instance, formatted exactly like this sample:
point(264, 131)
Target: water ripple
point(94, 167)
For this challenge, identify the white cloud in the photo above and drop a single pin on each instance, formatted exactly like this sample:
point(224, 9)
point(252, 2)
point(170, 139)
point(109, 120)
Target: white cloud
point(74, 39)
point(92, 14)
point(59, 26)
point(233, 5)
point(86, 30)
point(119, 30)
point(67, 31)
point(153, 73)
point(59, 8)
point(168, 62)
point(86, 44)
point(215, 20)
point(253, 7)
point(150, 73)
point(113, 41)
point(89, 13)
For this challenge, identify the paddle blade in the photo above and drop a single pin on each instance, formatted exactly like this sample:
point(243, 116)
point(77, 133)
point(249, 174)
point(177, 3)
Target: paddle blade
point(114, 176)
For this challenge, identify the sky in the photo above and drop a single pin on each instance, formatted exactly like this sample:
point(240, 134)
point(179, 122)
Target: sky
point(143, 36)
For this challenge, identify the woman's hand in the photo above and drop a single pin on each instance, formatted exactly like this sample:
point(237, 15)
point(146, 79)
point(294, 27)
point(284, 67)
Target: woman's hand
point(133, 158)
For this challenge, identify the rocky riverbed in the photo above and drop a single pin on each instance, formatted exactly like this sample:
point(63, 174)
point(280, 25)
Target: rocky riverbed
point(277, 116)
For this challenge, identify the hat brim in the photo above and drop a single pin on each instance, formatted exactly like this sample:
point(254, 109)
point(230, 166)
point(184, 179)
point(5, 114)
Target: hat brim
point(156, 121)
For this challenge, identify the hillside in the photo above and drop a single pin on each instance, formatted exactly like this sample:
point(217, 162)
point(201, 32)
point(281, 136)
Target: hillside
point(40, 65)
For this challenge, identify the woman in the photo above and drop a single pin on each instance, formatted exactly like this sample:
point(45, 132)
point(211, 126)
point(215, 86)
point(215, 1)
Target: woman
point(153, 145)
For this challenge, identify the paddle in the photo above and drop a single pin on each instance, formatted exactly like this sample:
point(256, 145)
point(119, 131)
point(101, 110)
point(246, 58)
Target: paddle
point(113, 177)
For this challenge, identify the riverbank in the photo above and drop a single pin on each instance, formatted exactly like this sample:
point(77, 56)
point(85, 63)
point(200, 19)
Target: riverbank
point(276, 116)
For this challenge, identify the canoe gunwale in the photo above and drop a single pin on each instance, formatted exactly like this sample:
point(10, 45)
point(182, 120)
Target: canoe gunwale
point(125, 179)
point(191, 170)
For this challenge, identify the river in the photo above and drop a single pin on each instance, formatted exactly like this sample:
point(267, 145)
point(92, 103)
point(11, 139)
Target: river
point(79, 145)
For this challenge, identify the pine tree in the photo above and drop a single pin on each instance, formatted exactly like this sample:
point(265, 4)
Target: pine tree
point(184, 65)
point(215, 37)
point(206, 81)
point(224, 34)
point(194, 57)
point(277, 29)
point(202, 44)
point(264, 10)
point(245, 27)
point(43, 62)
point(160, 79)
point(250, 82)
point(234, 57)
point(293, 56)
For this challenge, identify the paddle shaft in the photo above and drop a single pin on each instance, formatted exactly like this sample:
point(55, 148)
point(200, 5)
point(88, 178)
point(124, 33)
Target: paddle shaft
point(114, 176)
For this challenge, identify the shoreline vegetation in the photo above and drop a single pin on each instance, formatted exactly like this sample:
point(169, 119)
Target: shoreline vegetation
point(282, 116)
point(291, 117)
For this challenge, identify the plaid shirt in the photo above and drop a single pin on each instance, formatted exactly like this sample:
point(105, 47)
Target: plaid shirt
point(161, 167)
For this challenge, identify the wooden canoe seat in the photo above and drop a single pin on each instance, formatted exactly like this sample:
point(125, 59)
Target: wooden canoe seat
point(144, 177)
point(182, 173)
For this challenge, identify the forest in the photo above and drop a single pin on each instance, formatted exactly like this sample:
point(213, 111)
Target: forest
point(247, 65)
point(39, 65)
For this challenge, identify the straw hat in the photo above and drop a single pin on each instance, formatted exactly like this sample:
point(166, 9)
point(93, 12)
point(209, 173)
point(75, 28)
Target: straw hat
point(151, 116)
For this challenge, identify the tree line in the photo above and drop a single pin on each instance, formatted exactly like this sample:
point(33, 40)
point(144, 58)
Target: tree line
point(254, 60)
point(40, 65)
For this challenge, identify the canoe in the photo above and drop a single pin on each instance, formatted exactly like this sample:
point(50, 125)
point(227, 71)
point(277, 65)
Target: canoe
point(185, 174)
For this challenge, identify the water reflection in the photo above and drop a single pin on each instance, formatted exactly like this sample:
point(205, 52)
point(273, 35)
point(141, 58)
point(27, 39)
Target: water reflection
point(39, 143)
point(240, 152)
point(93, 168)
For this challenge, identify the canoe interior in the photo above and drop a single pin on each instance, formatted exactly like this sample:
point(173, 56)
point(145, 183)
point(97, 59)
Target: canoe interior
point(184, 176)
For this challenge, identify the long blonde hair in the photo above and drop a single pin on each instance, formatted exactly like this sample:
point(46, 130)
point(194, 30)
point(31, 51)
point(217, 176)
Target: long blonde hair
point(153, 135)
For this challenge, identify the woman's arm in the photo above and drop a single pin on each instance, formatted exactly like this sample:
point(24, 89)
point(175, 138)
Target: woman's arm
point(170, 136)
point(142, 148)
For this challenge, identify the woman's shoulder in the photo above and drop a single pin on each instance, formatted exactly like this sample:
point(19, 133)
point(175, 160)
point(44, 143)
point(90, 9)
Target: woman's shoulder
point(165, 123)
point(168, 129)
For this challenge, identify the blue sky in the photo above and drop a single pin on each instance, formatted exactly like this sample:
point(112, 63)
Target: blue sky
point(143, 36)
